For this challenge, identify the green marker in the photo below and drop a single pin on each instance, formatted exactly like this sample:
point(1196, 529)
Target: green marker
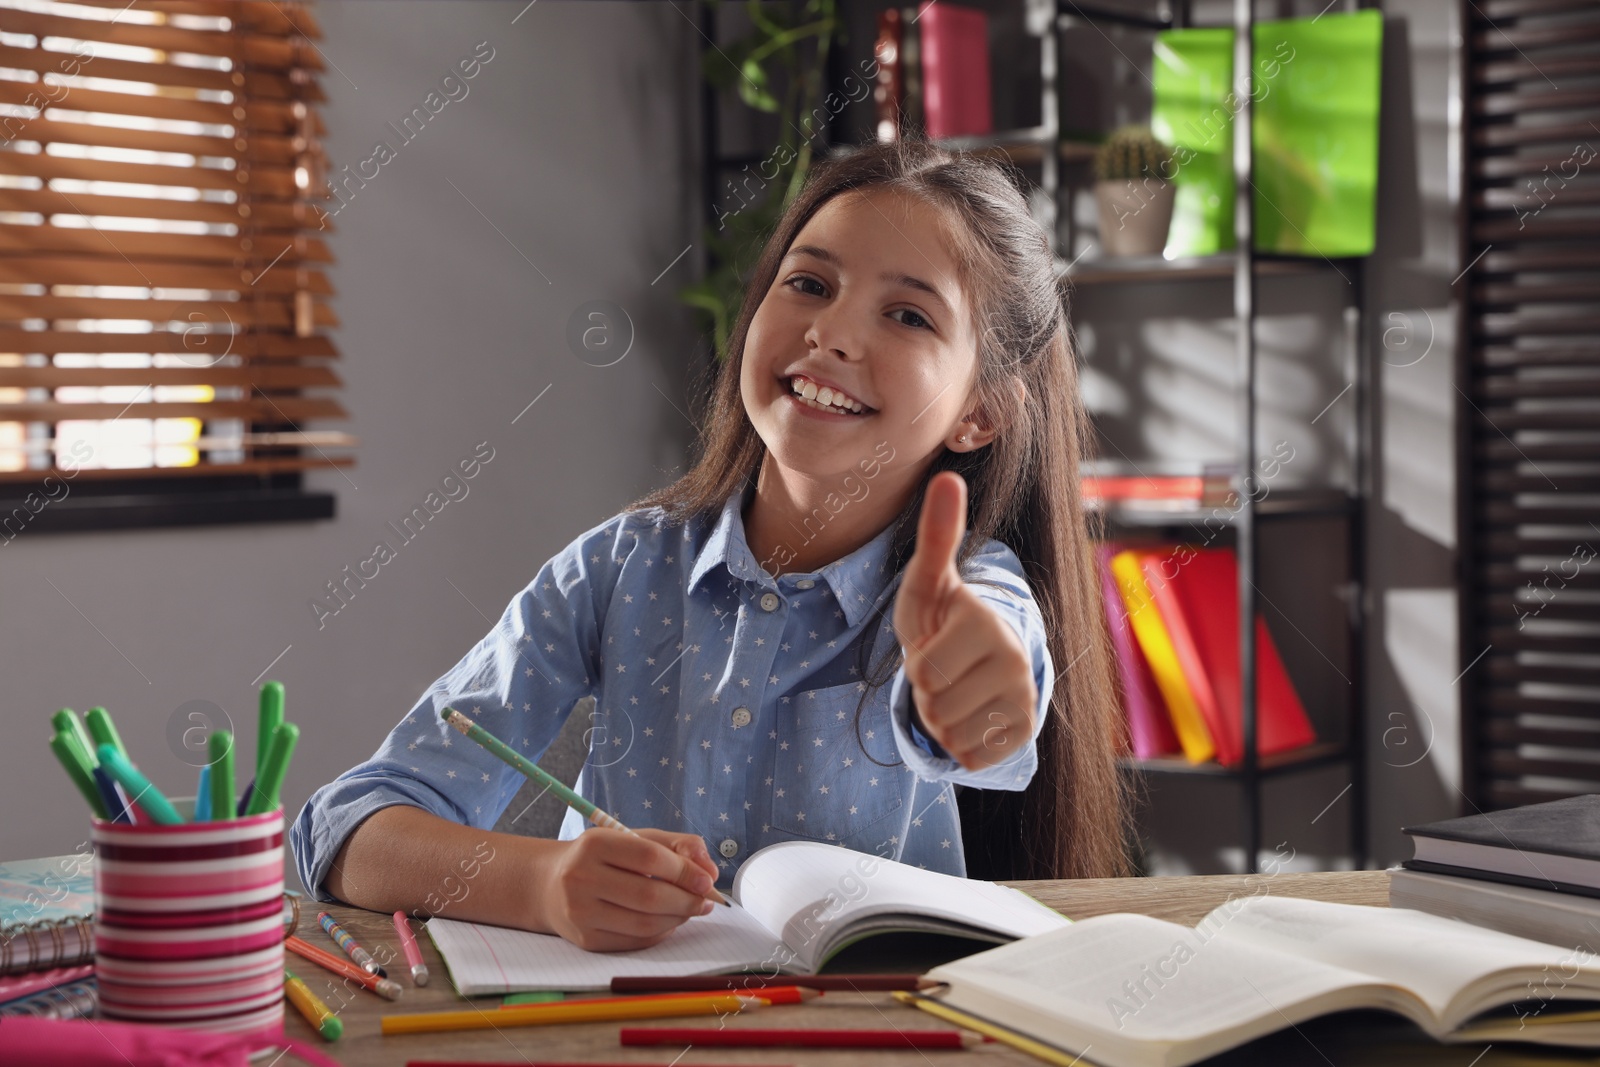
point(270, 717)
point(103, 730)
point(140, 789)
point(264, 797)
point(75, 761)
point(220, 750)
point(66, 721)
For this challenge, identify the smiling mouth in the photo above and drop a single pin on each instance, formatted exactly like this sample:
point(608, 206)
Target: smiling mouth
point(824, 398)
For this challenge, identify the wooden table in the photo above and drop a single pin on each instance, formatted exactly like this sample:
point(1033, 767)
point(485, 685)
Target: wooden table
point(1378, 1039)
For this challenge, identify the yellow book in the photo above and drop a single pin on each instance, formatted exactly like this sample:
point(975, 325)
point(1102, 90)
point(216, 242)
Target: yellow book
point(1156, 644)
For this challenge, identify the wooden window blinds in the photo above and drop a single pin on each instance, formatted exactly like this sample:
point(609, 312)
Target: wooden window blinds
point(163, 307)
point(1530, 419)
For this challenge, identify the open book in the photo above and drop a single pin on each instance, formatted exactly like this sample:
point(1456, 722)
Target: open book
point(1131, 991)
point(796, 905)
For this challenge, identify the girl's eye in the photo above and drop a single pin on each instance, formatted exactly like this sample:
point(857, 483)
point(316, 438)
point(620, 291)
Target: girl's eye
point(799, 281)
point(912, 318)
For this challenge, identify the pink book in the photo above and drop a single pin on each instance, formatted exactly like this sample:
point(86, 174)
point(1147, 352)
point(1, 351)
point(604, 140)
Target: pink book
point(17, 986)
point(1148, 725)
point(955, 70)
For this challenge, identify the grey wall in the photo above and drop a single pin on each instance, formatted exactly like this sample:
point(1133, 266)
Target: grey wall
point(576, 147)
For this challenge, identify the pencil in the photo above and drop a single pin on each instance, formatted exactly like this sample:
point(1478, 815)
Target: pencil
point(76, 763)
point(316, 1012)
point(103, 730)
point(860, 982)
point(67, 720)
point(408, 945)
point(789, 994)
point(566, 1012)
point(999, 1033)
point(532, 770)
point(679, 1035)
point(342, 938)
point(384, 987)
point(140, 789)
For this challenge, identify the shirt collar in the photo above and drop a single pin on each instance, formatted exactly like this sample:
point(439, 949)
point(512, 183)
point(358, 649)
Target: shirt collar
point(857, 580)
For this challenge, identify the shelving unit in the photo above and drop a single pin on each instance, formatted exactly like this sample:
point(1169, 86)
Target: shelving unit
point(1030, 148)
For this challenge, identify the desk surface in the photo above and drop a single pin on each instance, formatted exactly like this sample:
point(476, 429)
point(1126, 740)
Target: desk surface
point(1183, 900)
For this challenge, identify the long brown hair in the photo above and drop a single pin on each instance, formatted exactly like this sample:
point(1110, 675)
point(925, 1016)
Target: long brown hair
point(1072, 821)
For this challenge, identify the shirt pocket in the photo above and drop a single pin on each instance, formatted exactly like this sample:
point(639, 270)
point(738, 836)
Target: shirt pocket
point(832, 780)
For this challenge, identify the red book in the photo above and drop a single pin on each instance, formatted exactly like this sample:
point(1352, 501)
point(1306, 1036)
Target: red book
point(1149, 727)
point(955, 70)
point(1199, 598)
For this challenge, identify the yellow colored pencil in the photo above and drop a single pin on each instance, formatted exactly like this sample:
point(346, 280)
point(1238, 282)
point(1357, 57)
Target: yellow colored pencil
point(571, 1011)
point(999, 1033)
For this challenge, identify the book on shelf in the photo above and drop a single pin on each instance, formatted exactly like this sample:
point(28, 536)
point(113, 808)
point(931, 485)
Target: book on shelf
point(954, 49)
point(1151, 488)
point(1180, 606)
point(1149, 729)
point(1134, 991)
point(795, 906)
point(1554, 845)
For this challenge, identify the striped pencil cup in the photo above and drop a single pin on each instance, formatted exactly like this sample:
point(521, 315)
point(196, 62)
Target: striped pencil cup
point(189, 922)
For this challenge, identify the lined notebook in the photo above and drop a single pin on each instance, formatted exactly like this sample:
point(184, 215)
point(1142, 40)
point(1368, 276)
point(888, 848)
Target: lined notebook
point(796, 905)
point(45, 911)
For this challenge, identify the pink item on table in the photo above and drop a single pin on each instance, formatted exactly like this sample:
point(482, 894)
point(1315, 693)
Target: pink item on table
point(85, 1043)
point(189, 923)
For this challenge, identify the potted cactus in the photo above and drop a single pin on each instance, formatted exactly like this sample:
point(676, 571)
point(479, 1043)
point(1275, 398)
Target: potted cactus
point(1135, 192)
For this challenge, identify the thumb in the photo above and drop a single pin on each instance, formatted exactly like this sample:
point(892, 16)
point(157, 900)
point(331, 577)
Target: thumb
point(931, 572)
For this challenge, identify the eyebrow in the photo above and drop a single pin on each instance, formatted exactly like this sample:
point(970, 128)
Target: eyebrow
point(905, 280)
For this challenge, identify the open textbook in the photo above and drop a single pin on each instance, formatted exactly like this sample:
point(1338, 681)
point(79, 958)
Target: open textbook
point(795, 905)
point(1132, 991)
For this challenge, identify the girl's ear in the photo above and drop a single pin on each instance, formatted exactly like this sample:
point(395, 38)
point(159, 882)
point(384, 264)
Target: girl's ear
point(979, 428)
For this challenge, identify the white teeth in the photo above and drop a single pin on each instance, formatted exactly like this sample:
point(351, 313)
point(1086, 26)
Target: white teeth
point(824, 398)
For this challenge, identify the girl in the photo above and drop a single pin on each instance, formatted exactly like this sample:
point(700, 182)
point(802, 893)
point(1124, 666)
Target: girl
point(800, 638)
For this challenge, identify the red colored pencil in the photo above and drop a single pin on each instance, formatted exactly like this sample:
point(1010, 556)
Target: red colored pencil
point(788, 994)
point(742, 1038)
point(862, 982)
point(387, 988)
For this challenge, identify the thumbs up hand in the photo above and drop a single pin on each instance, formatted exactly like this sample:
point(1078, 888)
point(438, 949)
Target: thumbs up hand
point(971, 678)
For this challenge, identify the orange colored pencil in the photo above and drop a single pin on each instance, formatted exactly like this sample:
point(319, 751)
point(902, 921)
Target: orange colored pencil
point(788, 994)
point(387, 988)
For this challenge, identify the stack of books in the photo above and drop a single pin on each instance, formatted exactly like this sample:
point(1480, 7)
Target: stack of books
point(1532, 871)
point(1173, 612)
point(46, 937)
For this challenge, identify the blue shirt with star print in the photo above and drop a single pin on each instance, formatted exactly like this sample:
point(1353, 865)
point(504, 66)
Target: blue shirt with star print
point(726, 702)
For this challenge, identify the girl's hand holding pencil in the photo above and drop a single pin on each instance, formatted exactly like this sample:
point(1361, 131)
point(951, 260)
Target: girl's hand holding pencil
point(971, 678)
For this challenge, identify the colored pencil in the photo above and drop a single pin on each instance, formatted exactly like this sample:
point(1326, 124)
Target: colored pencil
point(268, 718)
point(103, 730)
point(533, 771)
point(220, 751)
point(316, 1012)
point(140, 789)
point(342, 938)
point(988, 1029)
point(408, 945)
point(860, 982)
point(775, 995)
point(112, 796)
point(565, 1012)
point(264, 791)
point(75, 762)
point(384, 987)
point(743, 1038)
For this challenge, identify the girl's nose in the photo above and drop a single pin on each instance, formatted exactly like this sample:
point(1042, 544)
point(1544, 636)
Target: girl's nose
point(834, 331)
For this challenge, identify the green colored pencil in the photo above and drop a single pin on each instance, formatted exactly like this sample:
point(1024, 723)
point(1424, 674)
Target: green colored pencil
point(264, 794)
point(532, 770)
point(103, 730)
point(271, 715)
point(220, 751)
point(66, 721)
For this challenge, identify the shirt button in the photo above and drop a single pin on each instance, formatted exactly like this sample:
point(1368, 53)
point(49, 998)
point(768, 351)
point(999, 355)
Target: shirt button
point(804, 583)
point(729, 848)
point(741, 716)
point(769, 601)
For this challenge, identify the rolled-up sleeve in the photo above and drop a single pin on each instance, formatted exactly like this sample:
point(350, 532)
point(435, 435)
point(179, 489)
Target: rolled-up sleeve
point(519, 682)
point(995, 574)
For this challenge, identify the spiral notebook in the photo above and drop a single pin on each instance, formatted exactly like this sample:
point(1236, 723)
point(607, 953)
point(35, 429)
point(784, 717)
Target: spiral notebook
point(46, 909)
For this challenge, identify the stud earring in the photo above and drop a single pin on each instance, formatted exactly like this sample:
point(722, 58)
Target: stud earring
point(962, 439)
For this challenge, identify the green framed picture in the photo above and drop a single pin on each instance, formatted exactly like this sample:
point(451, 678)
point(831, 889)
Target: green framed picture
point(1315, 94)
